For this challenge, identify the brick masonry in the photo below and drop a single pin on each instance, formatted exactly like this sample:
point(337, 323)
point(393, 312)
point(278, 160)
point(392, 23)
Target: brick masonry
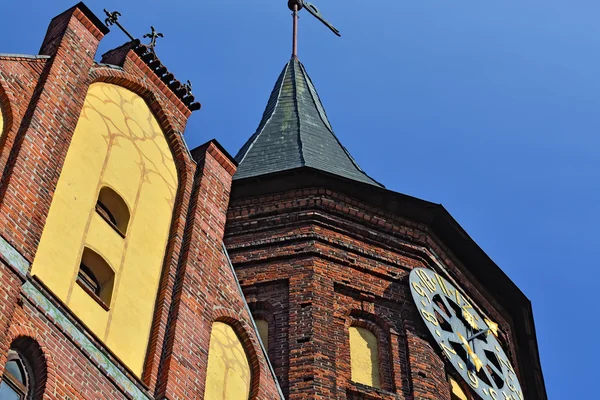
point(41, 99)
point(314, 261)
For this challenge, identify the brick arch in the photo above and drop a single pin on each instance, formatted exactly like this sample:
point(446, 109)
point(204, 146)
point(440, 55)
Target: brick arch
point(7, 132)
point(265, 310)
point(185, 171)
point(242, 330)
point(31, 345)
point(7, 113)
point(381, 329)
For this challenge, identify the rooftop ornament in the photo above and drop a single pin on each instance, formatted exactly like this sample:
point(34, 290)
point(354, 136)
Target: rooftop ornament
point(153, 35)
point(147, 53)
point(297, 5)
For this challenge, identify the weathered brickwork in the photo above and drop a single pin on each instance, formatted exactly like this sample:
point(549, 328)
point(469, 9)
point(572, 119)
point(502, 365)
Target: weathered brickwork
point(41, 99)
point(344, 263)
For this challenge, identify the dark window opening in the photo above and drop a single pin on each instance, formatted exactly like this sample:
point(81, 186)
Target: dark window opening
point(96, 278)
point(87, 278)
point(105, 212)
point(113, 209)
point(17, 379)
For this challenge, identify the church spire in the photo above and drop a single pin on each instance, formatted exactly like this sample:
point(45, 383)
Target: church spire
point(295, 132)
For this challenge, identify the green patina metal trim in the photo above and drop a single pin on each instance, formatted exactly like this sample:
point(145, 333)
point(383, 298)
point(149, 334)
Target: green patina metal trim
point(13, 257)
point(79, 337)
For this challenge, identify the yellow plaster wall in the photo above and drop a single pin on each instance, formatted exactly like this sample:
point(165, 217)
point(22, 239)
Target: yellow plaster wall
point(228, 372)
point(1, 123)
point(364, 357)
point(117, 143)
point(263, 331)
point(457, 392)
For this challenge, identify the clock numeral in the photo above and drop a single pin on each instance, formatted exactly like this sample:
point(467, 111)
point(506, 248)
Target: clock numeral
point(448, 350)
point(442, 284)
point(507, 396)
point(420, 291)
point(493, 394)
point(429, 317)
point(473, 380)
point(506, 364)
point(426, 280)
point(512, 387)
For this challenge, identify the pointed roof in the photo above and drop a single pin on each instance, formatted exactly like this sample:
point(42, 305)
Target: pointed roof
point(294, 132)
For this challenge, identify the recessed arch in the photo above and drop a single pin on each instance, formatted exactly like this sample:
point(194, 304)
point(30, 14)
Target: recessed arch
point(364, 357)
point(25, 370)
point(228, 374)
point(113, 209)
point(96, 276)
point(118, 152)
point(372, 348)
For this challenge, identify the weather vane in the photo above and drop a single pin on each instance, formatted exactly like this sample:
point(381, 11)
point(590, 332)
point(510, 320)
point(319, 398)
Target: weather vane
point(297, 5)
point(113, 19)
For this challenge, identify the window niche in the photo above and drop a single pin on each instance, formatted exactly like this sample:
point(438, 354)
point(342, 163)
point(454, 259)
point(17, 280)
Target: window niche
point(457, 392)
point(113, 209)
point(263, 331)
point(228, 374)
point(25, 373)
point(364, 357)
point(17, 380)
point(96, 277)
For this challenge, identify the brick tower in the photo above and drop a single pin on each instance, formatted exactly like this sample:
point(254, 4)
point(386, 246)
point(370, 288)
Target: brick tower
point(326, 255)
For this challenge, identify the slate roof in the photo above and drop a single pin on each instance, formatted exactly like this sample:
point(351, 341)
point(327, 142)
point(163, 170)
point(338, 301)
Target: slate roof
point(294, 132)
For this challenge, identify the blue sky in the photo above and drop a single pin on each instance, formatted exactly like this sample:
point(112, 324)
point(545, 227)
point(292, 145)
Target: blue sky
point(490, 108)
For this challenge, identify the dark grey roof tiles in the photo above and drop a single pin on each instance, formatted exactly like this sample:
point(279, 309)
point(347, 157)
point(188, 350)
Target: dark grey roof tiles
point(295, 132)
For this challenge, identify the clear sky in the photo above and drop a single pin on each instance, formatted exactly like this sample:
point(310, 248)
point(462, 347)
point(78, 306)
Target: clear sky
point(490, 108)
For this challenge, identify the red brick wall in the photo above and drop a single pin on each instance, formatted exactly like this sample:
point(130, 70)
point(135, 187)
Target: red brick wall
point(343, 263)
point(41, 101)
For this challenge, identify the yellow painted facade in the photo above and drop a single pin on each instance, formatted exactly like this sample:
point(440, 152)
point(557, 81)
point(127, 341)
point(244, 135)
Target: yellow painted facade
point(1, 123)
point(117, 143)
point(364, 360)
point(457, 392)
point(228, 374)
point(263, 331)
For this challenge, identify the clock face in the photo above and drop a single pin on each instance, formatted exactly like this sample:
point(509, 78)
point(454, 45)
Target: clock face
point(464, 336)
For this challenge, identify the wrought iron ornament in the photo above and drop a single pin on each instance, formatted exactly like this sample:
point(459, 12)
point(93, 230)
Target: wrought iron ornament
point(113, 19)
point(314, 11)
point(297, 5)
point(153, 35)
point(467, 339)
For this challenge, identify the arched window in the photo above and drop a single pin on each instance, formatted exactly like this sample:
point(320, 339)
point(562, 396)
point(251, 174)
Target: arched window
point(113, 209)
point(228, 372)
point(17, 381)
point(263, 331)
point(96, 277)
point(364, 357)
point(456, 391)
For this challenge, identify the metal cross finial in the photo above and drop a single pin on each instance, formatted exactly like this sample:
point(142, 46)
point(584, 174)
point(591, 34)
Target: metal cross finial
point(113, 19)
point(188, 88)
point(297, 5)
point(153, 36)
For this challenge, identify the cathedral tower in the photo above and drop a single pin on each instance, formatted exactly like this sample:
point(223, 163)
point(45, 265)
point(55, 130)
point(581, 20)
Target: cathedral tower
point(361, 292)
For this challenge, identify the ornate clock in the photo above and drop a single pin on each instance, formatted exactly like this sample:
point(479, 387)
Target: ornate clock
point(467, 339)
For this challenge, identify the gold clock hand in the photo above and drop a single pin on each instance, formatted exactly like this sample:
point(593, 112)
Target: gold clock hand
point(476, 361)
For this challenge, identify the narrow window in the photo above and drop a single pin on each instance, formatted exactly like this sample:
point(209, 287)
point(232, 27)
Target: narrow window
point(96, 277)
point(457, 392)
point(263, 332)
point(364, 357)
point(228, 372)
point(113, 209)
point(17, 378)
